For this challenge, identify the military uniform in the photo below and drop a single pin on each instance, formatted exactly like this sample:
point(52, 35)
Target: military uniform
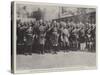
point(29, 38)
point(41, 37)
point(54, 38)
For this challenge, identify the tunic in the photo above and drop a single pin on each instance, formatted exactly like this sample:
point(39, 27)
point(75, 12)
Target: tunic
point(54, 36)
point(42, 34)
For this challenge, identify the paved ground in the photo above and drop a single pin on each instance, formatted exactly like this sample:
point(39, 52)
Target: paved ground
point(39, 61)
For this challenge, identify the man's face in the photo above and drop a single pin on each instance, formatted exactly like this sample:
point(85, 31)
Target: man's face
point(41, 21)
point(19, 25)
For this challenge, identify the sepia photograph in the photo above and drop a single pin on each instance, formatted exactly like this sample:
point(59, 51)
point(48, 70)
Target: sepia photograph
point(48, 36)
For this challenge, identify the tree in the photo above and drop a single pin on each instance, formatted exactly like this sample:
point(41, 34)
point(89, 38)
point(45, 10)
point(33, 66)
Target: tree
point(37, 14)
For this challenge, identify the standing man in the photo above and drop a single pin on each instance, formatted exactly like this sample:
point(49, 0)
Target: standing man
point(41, 36)
point(29, 38)
point(65, 37)
point(54, 37)
point(82, 39)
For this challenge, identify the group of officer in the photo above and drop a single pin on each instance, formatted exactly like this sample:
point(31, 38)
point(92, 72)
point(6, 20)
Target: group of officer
point(52, 36)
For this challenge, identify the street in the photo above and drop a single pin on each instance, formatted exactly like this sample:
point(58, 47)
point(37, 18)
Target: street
point(59, 60)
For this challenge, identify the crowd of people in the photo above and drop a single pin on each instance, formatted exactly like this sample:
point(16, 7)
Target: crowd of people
point(53, 36)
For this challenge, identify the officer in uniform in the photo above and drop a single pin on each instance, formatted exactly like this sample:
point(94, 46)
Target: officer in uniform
point(41, 36)
point(54, 37)
point(29, 39)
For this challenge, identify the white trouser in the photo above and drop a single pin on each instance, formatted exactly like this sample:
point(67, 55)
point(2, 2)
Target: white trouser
point(82, 46)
